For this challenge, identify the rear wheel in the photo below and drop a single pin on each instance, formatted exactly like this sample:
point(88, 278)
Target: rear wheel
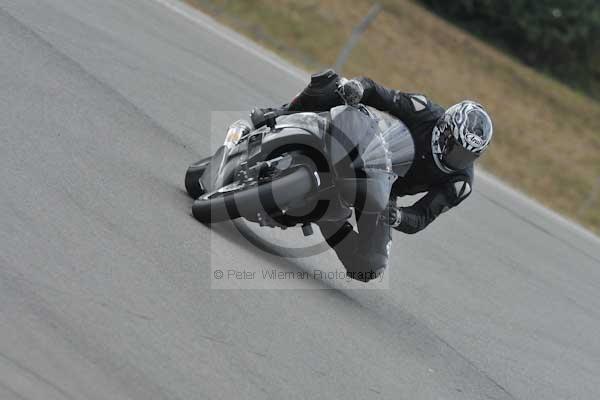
point(246, 199)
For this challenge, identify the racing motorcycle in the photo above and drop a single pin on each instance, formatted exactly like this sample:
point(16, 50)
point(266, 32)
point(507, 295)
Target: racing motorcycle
point(297, 168)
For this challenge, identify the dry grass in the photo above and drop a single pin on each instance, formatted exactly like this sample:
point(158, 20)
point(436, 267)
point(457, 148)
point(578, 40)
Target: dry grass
point(547, 139)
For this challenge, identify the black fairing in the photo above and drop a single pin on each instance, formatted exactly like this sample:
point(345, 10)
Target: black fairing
point(299, 130)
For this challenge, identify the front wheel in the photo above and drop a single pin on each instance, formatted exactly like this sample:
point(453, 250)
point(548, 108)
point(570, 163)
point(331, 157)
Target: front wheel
point(193, 184)
point(246, 199)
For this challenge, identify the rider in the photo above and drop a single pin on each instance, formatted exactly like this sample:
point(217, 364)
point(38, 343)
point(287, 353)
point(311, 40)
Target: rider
point(447, 142)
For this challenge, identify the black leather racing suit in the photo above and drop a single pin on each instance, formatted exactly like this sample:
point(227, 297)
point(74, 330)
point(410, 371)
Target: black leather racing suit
point(367, 251)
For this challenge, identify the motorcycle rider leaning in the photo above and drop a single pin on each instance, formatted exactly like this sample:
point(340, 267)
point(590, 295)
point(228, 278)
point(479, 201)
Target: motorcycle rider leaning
point(447, 142)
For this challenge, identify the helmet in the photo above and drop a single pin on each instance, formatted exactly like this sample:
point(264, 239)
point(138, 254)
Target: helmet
point(461, 135)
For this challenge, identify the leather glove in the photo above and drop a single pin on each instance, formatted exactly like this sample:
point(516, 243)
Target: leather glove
point(350, 90)
point(392, 216)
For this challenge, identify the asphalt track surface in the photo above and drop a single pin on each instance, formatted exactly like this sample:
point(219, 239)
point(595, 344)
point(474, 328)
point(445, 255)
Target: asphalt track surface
point(105, 278)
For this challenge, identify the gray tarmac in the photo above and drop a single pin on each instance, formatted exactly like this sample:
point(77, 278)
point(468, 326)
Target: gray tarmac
point(105, 278)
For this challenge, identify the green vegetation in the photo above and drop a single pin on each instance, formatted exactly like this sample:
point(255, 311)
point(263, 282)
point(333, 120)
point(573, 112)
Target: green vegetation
point(561, 37)
point(547, 139)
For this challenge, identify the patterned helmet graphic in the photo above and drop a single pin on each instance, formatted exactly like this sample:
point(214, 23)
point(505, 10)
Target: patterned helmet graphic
point(461, 135)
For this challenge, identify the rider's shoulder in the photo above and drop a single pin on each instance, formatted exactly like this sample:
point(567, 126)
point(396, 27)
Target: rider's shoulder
point(418, 104)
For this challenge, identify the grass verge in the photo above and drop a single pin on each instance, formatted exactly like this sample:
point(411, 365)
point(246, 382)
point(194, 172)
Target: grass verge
point(547, 136)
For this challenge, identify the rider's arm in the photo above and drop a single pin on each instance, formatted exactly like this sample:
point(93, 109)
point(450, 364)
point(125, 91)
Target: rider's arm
point(319, 95)
point(401, 105)
point(438, 200)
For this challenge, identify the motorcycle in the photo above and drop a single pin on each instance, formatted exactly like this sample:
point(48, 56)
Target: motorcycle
point(297, 168)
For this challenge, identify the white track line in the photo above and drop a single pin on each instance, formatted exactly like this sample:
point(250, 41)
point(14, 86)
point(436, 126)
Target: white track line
point(243, 42)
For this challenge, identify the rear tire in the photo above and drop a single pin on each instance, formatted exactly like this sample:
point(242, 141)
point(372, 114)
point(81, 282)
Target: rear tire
point(247, 202)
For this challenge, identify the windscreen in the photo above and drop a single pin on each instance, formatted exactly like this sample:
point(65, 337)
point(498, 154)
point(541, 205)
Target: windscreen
point(379, 140)
point(397, 142)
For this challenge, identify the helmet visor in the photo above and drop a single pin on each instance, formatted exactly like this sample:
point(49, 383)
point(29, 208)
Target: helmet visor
point(457, 157)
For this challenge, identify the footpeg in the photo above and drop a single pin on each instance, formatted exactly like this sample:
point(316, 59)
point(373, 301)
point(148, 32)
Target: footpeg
point(307, 229)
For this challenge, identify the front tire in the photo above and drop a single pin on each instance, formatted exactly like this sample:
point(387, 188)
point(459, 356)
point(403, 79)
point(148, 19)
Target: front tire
point(193, 184)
